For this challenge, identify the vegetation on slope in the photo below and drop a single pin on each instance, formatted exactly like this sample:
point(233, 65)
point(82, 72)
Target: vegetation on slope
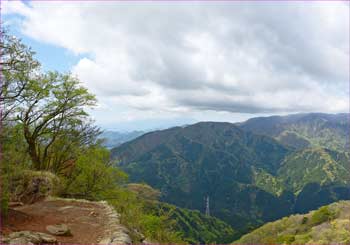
point(314, 166)
point(327, 225)
point(245, 175)
point(195, 227)
point(305, 130)
point(211, 159)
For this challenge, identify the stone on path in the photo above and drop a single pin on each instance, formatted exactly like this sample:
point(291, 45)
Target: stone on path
point(58, 230)
point(29, 238)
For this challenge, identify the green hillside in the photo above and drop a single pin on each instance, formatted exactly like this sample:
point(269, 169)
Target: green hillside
point(244, 174)
point(305, 130)
point(209, 159)
point(195, 227)
point(327, 225)
point(314, 166)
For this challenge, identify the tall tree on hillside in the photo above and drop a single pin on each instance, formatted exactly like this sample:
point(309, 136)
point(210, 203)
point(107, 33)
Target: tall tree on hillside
point(54, 120)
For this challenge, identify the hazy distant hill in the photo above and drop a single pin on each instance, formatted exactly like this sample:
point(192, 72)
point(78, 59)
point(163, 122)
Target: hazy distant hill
point(330, 131)
point(113, 138)
point(327, 225)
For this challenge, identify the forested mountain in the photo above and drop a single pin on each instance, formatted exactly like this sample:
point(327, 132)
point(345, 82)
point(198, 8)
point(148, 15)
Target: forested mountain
point(245, 175)
point(194, 226)
point(330, 131)
point(327, 225)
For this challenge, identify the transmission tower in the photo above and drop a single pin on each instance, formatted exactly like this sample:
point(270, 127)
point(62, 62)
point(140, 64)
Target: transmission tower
point(207, 209)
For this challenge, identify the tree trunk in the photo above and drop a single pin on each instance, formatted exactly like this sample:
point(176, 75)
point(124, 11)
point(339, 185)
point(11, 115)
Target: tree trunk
point(32, 149)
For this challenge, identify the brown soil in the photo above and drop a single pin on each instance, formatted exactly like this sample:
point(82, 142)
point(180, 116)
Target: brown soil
point(87, 221)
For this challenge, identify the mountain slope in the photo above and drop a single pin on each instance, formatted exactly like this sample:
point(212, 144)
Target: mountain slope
point(245, 175)
point(330, 131)
point(327, 225)
point(314, 166)
point(195, 227)
point(208, 159)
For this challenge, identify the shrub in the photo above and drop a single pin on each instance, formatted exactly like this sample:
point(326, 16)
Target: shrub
point(304, 220)
point(288, 239)
point(323, 214)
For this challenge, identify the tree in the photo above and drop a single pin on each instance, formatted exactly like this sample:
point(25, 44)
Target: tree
point(54, 120)
point(94, 177)
point(17, 66)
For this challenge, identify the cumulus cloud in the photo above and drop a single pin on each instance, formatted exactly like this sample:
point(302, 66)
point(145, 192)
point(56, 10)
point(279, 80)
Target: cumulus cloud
point(230, 57)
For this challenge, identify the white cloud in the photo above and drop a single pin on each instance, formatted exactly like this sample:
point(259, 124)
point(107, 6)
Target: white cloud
point(174, 59)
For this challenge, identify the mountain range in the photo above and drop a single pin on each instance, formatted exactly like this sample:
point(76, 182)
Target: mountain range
point(252, 172)
point(114, 138)
point(298, 131)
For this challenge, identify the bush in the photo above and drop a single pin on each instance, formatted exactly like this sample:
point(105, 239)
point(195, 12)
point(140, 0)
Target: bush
point(323, 214)
point(93, 177)
point(4, 195)
point(285, 239)
point(137, 215)
point(144, 191)
point(304, 220)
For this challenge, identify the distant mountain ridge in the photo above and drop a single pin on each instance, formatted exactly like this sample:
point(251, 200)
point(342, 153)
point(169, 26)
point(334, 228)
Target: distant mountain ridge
point(299, 131)
point(245, 174)
point(115, 138)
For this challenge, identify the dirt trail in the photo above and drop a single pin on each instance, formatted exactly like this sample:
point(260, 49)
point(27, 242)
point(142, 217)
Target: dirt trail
point(89, 222)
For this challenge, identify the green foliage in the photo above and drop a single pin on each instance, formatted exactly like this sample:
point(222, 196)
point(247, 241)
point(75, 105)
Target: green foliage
point(314, 166)
point(210, 159)
point(196, 227)
point(160, 228)
point(93, 176)
point(54, 121)
point(285, 239)
point(16, 67)
point(144, 191)
point(304, 220)
point(268, 182)
point(136, 215)
point(327, 225)
point(5, 195)
point(13, 162)
point(322, 215)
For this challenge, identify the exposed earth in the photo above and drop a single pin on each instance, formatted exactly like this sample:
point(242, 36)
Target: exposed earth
point(88, 222)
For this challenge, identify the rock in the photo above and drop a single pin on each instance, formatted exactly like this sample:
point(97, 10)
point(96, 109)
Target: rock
point(117, 238)
point(29, 238)
point(59, 230)
point(117, 234)
point(20, 240)
point(32, 237)
point(33, 186)
point(94, 214)
point(47, 238)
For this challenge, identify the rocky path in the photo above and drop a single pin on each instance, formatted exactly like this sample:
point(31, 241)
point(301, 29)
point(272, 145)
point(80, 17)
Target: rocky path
point(88, 222)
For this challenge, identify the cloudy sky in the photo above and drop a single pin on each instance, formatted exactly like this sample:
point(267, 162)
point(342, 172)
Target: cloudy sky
point(158, 64)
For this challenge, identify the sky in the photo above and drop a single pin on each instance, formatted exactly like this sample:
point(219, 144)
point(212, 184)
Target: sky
point(161, 64)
